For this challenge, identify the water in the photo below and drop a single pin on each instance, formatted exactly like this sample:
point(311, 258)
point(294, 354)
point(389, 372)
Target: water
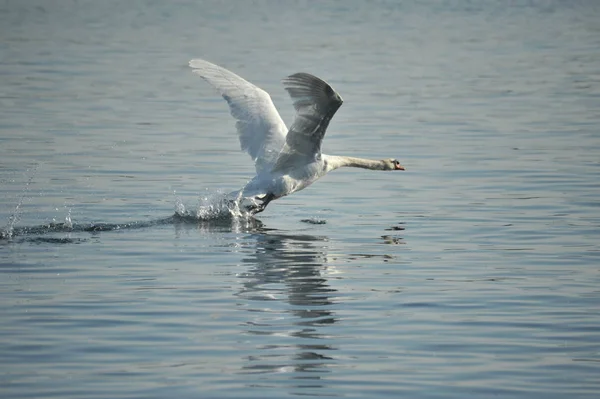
point(472, 274)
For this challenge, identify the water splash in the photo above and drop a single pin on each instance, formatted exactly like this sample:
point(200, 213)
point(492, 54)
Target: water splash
point(68, 222)
point(213, 205)
point(15, 216)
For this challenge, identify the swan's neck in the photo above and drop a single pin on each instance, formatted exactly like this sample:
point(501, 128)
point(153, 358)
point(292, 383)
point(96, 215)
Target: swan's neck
point(334, 162)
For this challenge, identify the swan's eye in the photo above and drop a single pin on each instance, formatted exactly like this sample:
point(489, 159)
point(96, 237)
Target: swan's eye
point(396, 162)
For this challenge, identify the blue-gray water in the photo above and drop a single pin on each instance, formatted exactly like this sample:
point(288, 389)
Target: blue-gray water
point(475, 273)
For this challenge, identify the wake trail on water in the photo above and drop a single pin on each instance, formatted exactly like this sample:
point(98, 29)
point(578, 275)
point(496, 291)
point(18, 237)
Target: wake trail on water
point(213, 208)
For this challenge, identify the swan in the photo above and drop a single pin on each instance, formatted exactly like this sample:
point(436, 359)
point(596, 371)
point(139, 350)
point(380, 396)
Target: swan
point(286, 160)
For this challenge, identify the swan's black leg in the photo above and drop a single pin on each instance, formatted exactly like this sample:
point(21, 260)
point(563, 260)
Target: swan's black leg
point(254, 209)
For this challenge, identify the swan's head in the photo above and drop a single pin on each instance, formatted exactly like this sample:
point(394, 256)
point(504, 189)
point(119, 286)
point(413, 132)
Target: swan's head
point(391, 164)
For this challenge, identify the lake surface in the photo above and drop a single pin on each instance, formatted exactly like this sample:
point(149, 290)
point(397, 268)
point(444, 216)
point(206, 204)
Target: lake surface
point(474, 273)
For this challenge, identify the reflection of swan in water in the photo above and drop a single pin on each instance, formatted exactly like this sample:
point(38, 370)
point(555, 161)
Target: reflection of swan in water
point(286, 161)
point(287, 296)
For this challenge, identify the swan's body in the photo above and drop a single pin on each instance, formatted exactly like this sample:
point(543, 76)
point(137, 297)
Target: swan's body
point(286, 160)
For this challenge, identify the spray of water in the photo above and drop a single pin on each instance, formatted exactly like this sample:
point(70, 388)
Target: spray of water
point(212, 205)
point(15, 216)
point(68, 222)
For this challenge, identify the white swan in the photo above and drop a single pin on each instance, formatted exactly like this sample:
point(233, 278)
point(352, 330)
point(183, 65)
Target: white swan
point(286, 161)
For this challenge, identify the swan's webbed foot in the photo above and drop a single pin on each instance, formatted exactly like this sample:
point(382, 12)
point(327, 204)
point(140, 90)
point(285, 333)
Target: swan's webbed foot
point(254, 209)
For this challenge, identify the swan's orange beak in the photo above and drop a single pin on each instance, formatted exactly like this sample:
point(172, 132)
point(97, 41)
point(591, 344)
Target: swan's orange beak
point(399, 167)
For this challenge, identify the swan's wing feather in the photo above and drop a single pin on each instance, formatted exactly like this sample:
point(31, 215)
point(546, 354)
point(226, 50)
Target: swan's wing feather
point(315, 102)
point(260, 128)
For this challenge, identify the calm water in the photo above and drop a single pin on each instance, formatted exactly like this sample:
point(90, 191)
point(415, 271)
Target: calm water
point(475, 273)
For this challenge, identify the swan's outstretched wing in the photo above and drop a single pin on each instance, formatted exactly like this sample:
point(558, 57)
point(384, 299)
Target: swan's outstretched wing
point(261, 130)
point(315, 102)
